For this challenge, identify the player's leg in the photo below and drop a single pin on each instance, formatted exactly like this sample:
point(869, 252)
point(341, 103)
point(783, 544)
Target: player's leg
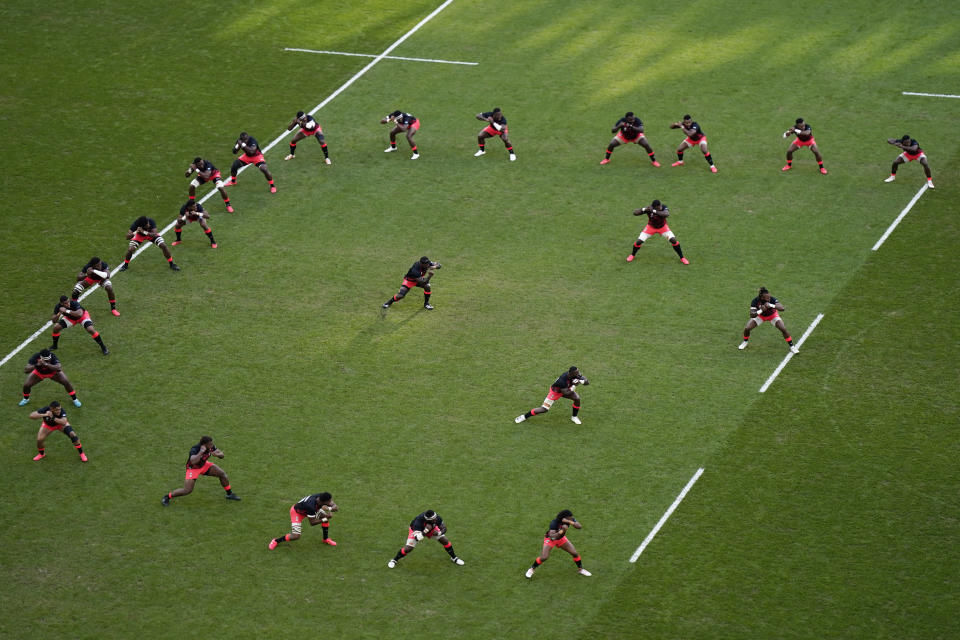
point(393, 139)
point(893, 169)
point(482, 143)
point(55, 334)
point(208, 231)
point(297, 137)
point(405, 550)
point(793, 147)
point(508, 145)
point(448, 547)
point(61, 377)
point(234, 169)
point(323, 147)
point(540, 559)
point(575, 398)
point(543, 408)
point(636, 245)
point(266, 174)
point(683, 146)
point(217, 472)
point(778, 323)
point(75, 439)
point(324, 523)
point(178, 230)
point(92, 330)
point(41, 440)
point(187, 489)
point(642, 141)
point(751, 325)
point(131, 247)
point(926, 170)
point(569, 548)
point(427, 292)
point(296, 526)
point(111, 296)
point(819, 158)
point(413, 145)
point(614, 143)
point(398, 296)
point(31, 380)
point(707, 156)
point(672, 239)
point(223, 194)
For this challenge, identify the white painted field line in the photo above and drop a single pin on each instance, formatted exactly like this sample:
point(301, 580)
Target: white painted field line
point(283, 135)
point(663, 519)
point(929, 95)
point(371, 55)
point(790, 354)
point(903, 214)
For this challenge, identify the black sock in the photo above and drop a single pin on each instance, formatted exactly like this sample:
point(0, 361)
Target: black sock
point(210, 235)
point(399, 555)
point(636, 247)
point(676, 248)
point(100, 342)
point(323, 145)
point(178, 232)
point(426, 298)
point(280, 539)
point(293, 149)
point(576, 409)
point(680, 156)
point(449, 550)
point(709, 159)
point(609, 151)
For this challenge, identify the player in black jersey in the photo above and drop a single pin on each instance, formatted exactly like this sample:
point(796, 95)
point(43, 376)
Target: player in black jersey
point(317, 508)
point(418, 275)
point(497, 127)
point(428, 524)
point(144, 229)
point(563, 387)
point(629, 129)
point(804, 133)
point(911, 151)
point(308, 127)
point(96, 272)
point(206, 172)
point(193, 211)
point(198, 465)
point(766, 308)
point(406, 123)
point(556, 536)
point(45, 365)
point(55, 419)
point(695, 138)
point(251, 155)
point(657, 214)
point(67, 313)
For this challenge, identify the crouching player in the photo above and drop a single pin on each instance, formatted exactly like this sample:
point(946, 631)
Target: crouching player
point(766, 308)
point(556, 536)
point(144, 229)
point(193, 211)
point(317, 509)
point(55, 419)
point(428, 524)
point(561, 388)
point(96, 272)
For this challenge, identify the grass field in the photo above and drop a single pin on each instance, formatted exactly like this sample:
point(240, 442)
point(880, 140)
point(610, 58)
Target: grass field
point(828, 506)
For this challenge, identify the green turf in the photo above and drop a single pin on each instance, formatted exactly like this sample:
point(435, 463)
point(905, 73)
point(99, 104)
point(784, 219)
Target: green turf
point(827, 505)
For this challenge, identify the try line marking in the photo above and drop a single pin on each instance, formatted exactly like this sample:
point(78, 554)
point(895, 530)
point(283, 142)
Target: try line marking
point(903, 214)
point(369, 55)
point(806, 334)
point(663, 519)
point(272, 144)
point(929, 95)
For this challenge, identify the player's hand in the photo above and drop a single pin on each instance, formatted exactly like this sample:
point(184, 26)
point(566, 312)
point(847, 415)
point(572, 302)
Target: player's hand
point(675, 125)
point(638, 212)
point(418, 535)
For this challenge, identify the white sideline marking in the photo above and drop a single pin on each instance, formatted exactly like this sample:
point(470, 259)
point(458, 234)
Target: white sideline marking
point(663, 519)
point(370, 55)
point(903, 214)
point(790, 354)
point(929, 95)
point(283, 135)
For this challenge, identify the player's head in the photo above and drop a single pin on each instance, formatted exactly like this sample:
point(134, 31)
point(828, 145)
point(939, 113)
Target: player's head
point(300, 114)
point(687, 118)
point(94, 261)
point(764, 294)
point(54, 405)
point(496, 111)
point(244, 136)
point(63, 299)
point(46, 355)
point(142, 222)
point(424, 260)
point(191, 205)
point(628, 115)
point(395, 114)
point(799, 121)
point(905, 139)
point(430, 515)
point(566, 513)
point(573, 371)
point(197, 161)
point(656, 204)
point(206, 440)
point(325, 497)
